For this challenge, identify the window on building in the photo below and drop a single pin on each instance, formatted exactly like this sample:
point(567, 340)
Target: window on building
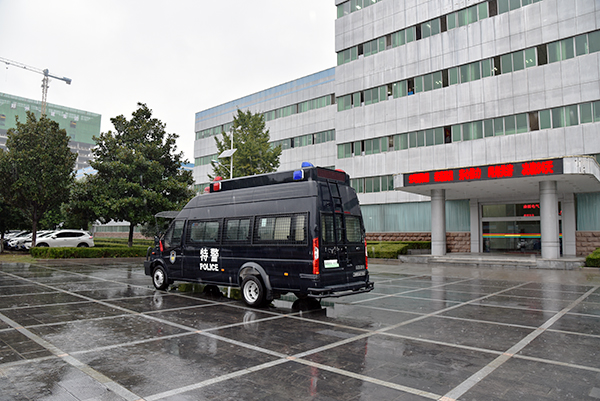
point(585, 113)
point(558, 117)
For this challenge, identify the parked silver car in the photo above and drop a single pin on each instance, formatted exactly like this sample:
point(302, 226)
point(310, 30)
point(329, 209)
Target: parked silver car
point(67, 238)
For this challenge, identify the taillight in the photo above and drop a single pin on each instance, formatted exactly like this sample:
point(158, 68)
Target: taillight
point(160, 246)
point(366, 255)
point(315, 256)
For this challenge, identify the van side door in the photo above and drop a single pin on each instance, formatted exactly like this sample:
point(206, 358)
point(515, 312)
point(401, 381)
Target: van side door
point(202, 251)
point(171, 252)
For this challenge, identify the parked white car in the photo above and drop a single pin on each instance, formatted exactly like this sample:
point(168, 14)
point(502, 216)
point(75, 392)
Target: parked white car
point(38, 237)
point(66, 238)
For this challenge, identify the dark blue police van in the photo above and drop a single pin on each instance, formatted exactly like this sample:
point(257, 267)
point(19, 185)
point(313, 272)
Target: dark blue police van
point(295, 231)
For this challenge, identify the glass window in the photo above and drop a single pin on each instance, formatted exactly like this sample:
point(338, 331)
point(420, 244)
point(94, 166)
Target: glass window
point(358, 148)
point(506, 62)
point(237, 230)
point(376, 148)
point(509, 125)
point(558, 117)
point(486, 67)
point(327, 228)
point(522, 123)
point(477, 130)
point(451, 21)
point(418, 84)
point(376, 184)
point(545, 119)
point(403, 142)
point(553, 52)
point(475, 72)
point(483, 10)
point(466, 131)
point(526, 2)
point(437, 80)
point(463, 17)
point(464, 74)
point(356, 99)
point(429, 139)
point(571, 116)
point(439, 136)
point(381, 44)
point(472, 14)
point(581, 45)
point(456, 135)
point(566, 48)
point(399, 89)
point(502, 6)
point(353, 229)
point(596, 111)
point(398, 38)
point(427, 82)
point(530, 57)
point(594, 41)
point(410, 34)
point(453, 75)
point(412, 139)
point(426, 29)
point(518, 61)
point(488, 128)
point(435, 26)
point(383, 93)
point(421, 138)
point(514, 4)
point(585, 113)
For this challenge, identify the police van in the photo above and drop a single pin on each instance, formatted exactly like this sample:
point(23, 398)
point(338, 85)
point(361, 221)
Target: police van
point(296, 231)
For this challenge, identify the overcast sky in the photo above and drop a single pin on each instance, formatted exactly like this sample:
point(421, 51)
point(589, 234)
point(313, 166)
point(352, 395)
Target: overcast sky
point(179, 56)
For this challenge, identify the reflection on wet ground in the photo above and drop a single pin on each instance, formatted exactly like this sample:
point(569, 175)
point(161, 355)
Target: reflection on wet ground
point(99, 331)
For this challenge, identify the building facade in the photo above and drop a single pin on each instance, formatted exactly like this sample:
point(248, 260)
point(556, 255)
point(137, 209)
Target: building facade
point(80, 125)
point(475, 124)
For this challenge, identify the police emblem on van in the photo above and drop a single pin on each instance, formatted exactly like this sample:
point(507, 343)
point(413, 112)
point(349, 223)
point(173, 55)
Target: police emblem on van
point(173, 256)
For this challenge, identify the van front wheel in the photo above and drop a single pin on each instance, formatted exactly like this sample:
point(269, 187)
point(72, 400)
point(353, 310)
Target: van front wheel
point(253, 291)
point(159, 279)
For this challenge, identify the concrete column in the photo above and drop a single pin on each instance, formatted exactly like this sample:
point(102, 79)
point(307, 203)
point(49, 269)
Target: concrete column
point(569, 223)
point(438, 222)
point(475, 226)
point(549, 220)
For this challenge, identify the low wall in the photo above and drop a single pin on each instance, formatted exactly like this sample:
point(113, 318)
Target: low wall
point(455, 242)
point(587, 242)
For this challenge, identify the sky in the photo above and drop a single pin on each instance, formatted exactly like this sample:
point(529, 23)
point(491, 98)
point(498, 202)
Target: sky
point(178, 57)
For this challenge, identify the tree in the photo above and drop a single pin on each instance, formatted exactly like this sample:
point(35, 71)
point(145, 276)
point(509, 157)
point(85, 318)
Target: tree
point(254, 154)
point(10, 218)
point(139, 173)
point(37, 169)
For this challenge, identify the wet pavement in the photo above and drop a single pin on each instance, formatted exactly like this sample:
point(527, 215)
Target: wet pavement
point(98, 331)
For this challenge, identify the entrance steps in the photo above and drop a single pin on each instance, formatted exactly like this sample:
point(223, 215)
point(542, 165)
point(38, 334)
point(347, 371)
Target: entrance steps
point(510, 261)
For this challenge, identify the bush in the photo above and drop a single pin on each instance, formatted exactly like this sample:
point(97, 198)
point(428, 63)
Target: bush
point(108, 242)
point(386, 250)
point(95, 252)
point(593, 259)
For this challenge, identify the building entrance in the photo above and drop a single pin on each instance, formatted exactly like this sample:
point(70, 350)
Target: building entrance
point(512, 228)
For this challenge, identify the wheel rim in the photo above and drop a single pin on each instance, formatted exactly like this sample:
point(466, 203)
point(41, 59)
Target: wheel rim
point(251, 291)
point(159, 278)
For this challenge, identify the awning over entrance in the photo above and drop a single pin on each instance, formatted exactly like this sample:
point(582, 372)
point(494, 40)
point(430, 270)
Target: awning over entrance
point(515, 180)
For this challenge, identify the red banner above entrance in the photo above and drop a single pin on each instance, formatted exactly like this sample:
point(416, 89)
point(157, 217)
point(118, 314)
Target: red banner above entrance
point(491, 172)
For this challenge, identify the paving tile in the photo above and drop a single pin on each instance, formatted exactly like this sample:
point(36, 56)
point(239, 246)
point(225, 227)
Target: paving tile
point(515, 316)
point(59, 313)
point(565, 347)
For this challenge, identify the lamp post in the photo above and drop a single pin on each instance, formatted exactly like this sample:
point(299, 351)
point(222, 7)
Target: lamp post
point(228, 153)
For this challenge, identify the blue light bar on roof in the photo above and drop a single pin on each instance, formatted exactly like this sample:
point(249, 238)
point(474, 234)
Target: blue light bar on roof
point(307, 164)
point(298, 175)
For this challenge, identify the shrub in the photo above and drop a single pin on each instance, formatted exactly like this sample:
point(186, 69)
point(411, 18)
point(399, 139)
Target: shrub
point(593, 259)
point(386, 250)
point(95, 252)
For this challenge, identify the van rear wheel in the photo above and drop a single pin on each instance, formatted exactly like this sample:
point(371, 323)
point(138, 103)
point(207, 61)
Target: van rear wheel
point(253, 291)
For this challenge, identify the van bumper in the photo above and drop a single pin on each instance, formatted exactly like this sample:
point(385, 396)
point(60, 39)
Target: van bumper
point(341, 290)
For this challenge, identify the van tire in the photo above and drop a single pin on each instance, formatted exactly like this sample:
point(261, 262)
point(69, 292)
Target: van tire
point(159, 278)
point(253, 291)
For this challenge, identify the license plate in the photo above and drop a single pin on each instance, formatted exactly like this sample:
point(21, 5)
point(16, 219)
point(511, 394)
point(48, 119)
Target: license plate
point(358, 274)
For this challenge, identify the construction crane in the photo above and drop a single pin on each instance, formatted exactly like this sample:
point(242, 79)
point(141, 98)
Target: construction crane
point(45, 80)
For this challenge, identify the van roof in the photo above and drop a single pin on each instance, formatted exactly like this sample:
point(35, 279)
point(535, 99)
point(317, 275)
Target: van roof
point(303, 174)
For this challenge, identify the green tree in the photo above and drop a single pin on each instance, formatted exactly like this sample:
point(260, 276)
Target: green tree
point(10, 218)
point(37, 168)
point(254, 154)
point(139, 173)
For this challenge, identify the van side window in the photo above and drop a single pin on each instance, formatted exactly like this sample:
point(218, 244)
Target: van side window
point(286, 229)
point(203, 231)
point(237, 230)
point(353, 229)
point(173, 235)
point(327, 232)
